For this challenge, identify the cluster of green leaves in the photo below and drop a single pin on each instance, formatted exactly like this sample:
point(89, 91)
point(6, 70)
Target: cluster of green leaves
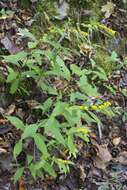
point(62, 121)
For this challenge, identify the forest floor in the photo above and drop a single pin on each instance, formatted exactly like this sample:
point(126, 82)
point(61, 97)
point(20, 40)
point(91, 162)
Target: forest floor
point(100, 164)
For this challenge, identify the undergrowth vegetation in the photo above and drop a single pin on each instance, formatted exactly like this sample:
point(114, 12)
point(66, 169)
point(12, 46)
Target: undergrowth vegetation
point(74, 100)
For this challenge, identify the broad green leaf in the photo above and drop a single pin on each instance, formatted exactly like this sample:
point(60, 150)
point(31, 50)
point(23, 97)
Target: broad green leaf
point(48, 88)
point(53, 126)
point(16, 122)
point(18, 174)
point(47, 104)
point(20, 56)
point(17, 148)
point(49, 169)
point(39, 141)
point(12, 75)
point(78, 96)
point(87, 88)
point(33, 170)
point(76, 70)
point(30, 131)
point(46, 167)
point(32, 45)
point(29, 159)
point(25, 33)
point(60, 69)
point(101, 74)
point(14, 86)
point(59, 108)
point(87, 118)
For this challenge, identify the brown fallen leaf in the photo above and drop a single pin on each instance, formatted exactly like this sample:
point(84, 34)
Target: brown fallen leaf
point(22, 185)
point(98, 163)
point(122, 158)
point(104, 153)
point(81, 172)
point(103, 156)
point(32, 103)
point(2, 151)
point(9, 45)
point(10, 109)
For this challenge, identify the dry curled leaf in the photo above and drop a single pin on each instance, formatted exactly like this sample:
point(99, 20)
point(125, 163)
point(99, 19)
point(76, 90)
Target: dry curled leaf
point(3, 151)
point(10, 109)
point(9, 45)
point(122, 158)
point(103, 156)
point(22, 185)
point(108, 9)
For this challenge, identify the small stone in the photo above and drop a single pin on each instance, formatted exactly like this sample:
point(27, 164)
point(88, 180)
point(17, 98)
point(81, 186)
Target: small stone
point(116, 141)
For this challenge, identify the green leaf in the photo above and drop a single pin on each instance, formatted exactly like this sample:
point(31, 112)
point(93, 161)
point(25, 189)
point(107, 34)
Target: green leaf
point(53, 126)
point(14, 86)
point(101, 74)
point(87, 118)
point(48, 168)
point(20, 56)
point(30, 131)
point(71, 145)
point(25, 33)
point(12, 75)
point(32, 45)
point(60, 69)
point(17, 148)
point(33, 170)
point(18, 174)
point(59, 108)
point(39, 141)
point(77, 95)
point(87, 88)
point(29, 159)
point(48, 88)
point(95, 117)
point(76, 70)
point(47, 104)
point(16, 122)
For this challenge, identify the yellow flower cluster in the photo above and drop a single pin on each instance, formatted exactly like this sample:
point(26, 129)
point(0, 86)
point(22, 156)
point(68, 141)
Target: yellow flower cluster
point(96, 107)
point(64, 161)
point(106, 29)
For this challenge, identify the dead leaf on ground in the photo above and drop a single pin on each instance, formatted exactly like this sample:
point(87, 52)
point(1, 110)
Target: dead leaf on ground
point(103, 156)
point(81, 172)
point(9, 45)
point(10, 109)
point(22, 185)
point(122, 158)
point(32, 104)
point(3, 151)
point(108, 9)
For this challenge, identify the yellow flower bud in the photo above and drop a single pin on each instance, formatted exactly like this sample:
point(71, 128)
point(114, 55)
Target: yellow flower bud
point(94, 107)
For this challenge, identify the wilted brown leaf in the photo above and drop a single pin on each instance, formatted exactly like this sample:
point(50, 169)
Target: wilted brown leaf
point(103, 156)
point(108, 9)
point(9, 45)
point(22, 185)
point(122, 158)
point(10, 109)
